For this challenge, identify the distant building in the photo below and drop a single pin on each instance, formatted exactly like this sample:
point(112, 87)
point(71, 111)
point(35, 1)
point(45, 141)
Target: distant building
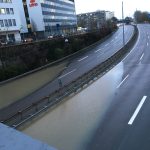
point(38, 18)
point(45, 17)
point(109, 14)
point(94, 20)
point(9, 21)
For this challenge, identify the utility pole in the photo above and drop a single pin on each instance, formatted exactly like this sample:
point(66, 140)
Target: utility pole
point(123, 25)
point(22, 30)
point(136, 18)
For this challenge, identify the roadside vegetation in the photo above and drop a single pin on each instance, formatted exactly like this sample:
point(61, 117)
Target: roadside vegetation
point(18, 59)
point(142, 17)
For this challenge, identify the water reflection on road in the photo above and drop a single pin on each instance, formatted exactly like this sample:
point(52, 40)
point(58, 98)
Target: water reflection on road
point(71, 124)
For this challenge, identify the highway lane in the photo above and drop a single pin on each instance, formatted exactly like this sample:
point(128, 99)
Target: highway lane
point(76, 67)
point(100, 50)
point(126, 124)
point(70, 125)
point(82, 64)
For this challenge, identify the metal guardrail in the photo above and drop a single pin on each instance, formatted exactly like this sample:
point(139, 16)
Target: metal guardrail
point(43, 104)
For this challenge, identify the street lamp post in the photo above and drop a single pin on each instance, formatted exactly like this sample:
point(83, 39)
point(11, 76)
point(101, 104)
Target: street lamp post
point(7, 38)
point(22, 30)
point(49, 29)
point(123, 25)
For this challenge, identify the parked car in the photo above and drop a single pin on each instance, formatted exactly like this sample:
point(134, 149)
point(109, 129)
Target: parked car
point(58, 36)
point(3, 43)
point(50, 37)
point(28, 40)
point(10, 42)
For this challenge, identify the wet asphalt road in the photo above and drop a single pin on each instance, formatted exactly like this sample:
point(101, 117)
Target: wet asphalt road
point(76, 68)
point(126, 124)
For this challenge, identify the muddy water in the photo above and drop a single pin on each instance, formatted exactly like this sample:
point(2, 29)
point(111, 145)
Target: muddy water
point(70, 125)
point(17, 89)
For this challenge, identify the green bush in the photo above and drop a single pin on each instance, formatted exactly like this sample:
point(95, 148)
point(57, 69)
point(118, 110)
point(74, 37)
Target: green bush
point(58, 53)
point(11, 71)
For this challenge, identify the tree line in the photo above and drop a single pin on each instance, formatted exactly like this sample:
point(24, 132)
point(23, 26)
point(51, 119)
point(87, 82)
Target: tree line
point(141, 17)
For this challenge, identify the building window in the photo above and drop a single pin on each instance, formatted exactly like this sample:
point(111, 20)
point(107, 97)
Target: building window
point(9, 1)
point(6, 22)
point(9, 22)
point(11, 11)
point(14, 22)
point(5, 1)
point(7, 11)
point(1, 23)
point(2, 11)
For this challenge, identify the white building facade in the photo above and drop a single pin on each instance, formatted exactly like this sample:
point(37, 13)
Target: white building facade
point(36, 17)
point(109, 15)
point(10, 20)
point(51, 16)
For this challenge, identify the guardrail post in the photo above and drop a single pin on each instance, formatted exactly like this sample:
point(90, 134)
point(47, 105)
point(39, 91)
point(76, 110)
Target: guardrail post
point(48, 101)
point(60, 83)
point(20, 114)
point(75, 87)
point(35, 105)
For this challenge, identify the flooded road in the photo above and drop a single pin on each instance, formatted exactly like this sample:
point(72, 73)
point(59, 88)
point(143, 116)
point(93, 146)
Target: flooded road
point(71, 125)
point(17, 89)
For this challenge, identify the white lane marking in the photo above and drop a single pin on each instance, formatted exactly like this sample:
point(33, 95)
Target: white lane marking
point(98, 50)
point(100, 55)
point(147, 44)
point(148, 37)
point(141, 56)
point(137, 110)
point(67, 73)
point(83, 58)
point(106, 45)
point(122, 81)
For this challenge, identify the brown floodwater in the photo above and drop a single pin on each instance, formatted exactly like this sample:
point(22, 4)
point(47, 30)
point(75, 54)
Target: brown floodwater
point(17, 89)
point(70, 125)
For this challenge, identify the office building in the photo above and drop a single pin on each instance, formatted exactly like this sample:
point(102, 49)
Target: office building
point(45, 17)
point(94, 20)
point(10, 22)
point(38, 18)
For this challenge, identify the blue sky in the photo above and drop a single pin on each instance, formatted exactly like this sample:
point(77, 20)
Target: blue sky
point(130, 6)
